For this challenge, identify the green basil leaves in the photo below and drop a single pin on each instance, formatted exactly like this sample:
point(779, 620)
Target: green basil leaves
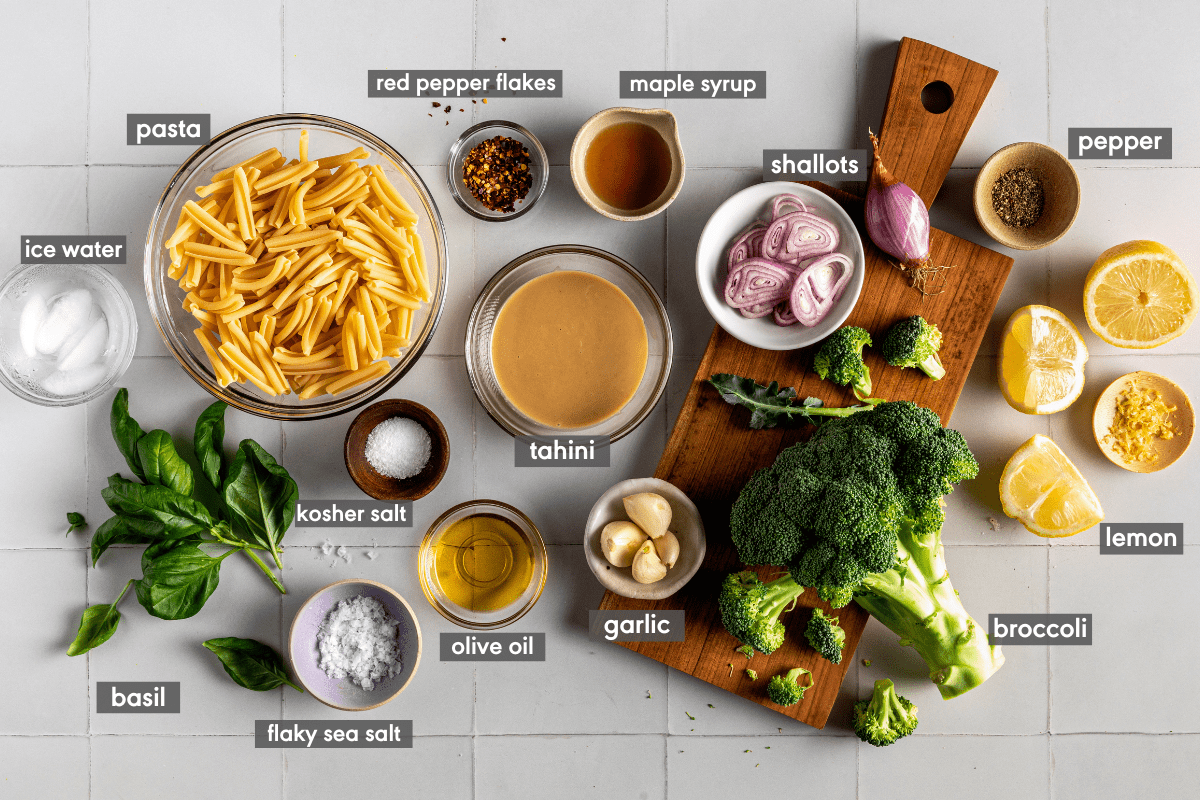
point(189, 526)
point(251, 663)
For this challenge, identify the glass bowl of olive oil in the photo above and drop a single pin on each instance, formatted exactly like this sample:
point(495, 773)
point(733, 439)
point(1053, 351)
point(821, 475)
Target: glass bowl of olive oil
point(482, 564)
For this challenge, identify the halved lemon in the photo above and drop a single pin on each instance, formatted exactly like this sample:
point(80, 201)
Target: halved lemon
point(1041, 360)
point(1043, 489)
point(1140, 295)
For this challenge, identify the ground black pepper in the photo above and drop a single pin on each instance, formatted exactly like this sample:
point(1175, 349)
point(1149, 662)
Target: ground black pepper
point(1018, 197)
point(496, 172)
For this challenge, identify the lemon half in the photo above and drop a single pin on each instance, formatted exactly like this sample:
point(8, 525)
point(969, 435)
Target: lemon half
point(1139, 295)
point(1041, 360)
point(1044, 490)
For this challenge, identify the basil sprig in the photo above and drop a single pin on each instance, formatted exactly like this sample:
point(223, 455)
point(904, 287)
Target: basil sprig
point(191, 520)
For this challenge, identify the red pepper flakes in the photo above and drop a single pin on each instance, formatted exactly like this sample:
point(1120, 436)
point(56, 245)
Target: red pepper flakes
point(496, 172)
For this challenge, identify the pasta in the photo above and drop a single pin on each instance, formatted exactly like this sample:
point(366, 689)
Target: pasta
point(304, 275)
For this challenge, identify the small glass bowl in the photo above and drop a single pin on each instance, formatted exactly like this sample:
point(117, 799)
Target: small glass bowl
point(538, 168)
point(23, 375)
point(465, 617)
point(327, 136)
point(580, 258)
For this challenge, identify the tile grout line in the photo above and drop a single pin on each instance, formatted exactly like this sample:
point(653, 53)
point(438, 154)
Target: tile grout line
point(282, 432)
point(282, 56)
point(474, 433)
point(87, 216)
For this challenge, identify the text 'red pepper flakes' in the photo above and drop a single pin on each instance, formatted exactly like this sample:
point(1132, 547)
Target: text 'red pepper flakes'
point(496, 172)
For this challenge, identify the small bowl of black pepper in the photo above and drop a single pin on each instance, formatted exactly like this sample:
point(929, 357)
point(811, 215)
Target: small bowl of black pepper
point(497, 170)
point(1026, 196)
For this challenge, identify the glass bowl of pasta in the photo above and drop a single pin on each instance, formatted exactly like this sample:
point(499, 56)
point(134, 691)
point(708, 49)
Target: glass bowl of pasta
point(296, 266)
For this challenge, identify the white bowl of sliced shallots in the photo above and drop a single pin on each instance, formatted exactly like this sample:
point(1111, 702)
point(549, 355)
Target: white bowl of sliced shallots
point(780, 265)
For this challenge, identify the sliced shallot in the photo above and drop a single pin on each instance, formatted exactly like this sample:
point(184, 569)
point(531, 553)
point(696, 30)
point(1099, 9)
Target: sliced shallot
point(797, 236)
point(748, 245)
point(758, 281)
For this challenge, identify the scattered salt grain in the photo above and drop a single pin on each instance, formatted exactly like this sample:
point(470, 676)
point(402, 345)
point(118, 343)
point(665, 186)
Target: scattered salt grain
point(399, 447)
point(327, 548)
point(371, 554)
point(359, 640)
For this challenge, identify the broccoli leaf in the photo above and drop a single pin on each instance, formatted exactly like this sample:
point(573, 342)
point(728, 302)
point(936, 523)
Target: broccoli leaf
point(770, 405)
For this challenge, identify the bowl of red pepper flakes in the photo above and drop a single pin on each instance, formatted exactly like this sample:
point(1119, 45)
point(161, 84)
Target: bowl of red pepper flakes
point(497, 170)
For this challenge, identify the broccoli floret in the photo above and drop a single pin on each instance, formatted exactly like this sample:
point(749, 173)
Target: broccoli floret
point(856, 513)
point(746, 650)
point(751, 674)
point(840, 360)
point(825, 636)
point(785, 690)
point(913, 342)
point(884, 718)
point(750, 609)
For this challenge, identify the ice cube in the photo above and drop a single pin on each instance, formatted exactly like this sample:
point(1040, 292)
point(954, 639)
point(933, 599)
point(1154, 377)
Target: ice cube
point(76, 381)
point(88, 349)
point(32, 316)
point(67, 313)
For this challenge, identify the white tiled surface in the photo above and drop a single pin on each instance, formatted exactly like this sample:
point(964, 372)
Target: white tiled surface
point(1112, 720)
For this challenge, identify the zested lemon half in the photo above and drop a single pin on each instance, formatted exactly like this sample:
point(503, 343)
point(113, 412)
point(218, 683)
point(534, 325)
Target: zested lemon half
point(1139, 295)
point(1041, 360)
point(1043, 489)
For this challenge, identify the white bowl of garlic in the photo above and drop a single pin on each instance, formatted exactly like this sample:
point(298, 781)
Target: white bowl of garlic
point(644, 539)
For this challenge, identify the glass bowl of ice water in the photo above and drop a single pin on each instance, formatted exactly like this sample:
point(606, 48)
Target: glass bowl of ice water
point(67, 332)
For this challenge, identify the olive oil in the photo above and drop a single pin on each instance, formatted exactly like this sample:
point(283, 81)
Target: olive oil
point(628, 165)
point(483, 563)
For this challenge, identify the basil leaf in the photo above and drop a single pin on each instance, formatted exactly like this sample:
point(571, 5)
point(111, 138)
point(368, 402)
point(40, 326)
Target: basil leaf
point(181, 515)
point(162, 464)
point(97, 626)
point(176, 584)
point(125, 530)
point(209, 443)
point(76, 521)
point(126, 432)
point(251, 663)
point(260, 495)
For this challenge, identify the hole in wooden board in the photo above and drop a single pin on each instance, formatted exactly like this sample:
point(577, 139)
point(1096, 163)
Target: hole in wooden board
point(937, 97)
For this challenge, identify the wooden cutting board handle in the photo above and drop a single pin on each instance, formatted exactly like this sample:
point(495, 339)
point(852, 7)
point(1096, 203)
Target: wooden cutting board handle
point(916, 145)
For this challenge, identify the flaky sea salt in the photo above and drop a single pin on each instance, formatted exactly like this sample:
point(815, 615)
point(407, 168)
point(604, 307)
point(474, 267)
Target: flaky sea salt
point(399, 447)
point(359, 640)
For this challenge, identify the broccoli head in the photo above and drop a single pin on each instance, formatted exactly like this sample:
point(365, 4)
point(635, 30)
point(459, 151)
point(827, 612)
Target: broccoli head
point(750, 609)
point(884, 718)
point(840, 360)
point(913, 342)
point(825, 636)
point(856, 512)
point(785, 690)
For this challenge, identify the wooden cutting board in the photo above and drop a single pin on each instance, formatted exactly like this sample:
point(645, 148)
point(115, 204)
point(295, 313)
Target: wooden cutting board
point(712, 452)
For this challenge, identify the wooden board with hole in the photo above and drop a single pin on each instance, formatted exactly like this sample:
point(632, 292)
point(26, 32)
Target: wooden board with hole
point(712, 452)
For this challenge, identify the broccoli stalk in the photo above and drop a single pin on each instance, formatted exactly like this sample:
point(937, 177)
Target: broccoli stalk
point(913, 342)
point(750, 609)
point(840, 360)
point(786, 690)
point(884, 718)
point(917, 601)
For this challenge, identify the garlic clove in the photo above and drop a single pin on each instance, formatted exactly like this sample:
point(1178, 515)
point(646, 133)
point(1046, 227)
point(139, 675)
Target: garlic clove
point(667, 547)
point(619, 541)
point(647, 567)
point(651, 512)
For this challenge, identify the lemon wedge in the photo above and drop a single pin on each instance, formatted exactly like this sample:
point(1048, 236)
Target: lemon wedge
point(1041, 361)
point(1043, 489)
point(1139, 295)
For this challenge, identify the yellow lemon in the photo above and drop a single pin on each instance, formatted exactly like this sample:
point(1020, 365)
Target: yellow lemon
point(1043, 489)
point(1139, 294)
point(1041, 360)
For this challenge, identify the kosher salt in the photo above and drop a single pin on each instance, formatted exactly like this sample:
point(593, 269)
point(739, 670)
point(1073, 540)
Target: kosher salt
point(399, 447)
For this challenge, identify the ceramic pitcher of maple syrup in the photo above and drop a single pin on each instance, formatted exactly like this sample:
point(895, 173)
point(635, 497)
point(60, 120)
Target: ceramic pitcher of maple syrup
point(627, 163)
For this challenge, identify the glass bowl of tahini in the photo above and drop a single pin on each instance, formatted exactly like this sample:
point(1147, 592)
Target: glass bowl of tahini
point(482, 564)
point(568, 339)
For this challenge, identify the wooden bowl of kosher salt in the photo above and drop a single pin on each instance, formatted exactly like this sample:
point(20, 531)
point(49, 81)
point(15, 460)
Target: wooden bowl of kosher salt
point(390, 439)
